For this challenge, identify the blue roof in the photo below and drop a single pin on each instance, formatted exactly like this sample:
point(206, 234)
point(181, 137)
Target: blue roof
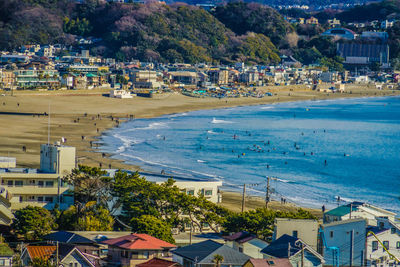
point(341, 211)
point(68, 237)
point(280, 247)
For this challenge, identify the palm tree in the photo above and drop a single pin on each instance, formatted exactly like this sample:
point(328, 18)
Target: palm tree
point(218, 259)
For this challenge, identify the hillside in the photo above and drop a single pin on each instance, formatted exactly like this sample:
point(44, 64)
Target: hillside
point(375, 11)
point(151, 32)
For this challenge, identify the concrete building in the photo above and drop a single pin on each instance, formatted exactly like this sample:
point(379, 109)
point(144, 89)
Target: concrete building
point(349, 238)
point(184, 77)
point(340, 33)
point(220, 77)
point(306, 230)
point(7, 162)
point(120, 94)
point(21, 187)
point(144, 78)
point(208, 189)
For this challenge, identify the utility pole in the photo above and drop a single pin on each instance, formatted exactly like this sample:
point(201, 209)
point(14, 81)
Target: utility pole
point(57, 254)
point(267, 197)
point(351, 247)
point(302, 255)
point(243, 197)
point(351, 208)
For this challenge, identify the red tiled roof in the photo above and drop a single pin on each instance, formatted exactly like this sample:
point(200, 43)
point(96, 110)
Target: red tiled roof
point(276, 262)
point(43, 252)
point(139, 242)
point(156, 262)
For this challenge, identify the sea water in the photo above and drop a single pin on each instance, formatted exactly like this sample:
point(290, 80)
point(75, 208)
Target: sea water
point(315, 150)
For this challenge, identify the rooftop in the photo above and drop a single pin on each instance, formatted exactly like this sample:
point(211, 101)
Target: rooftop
point(139, 242)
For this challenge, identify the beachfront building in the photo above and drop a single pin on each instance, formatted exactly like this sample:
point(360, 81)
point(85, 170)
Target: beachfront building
point(120, 94)
point(358, 210)
point(246, 243)
point(306, 230)
point(43, 187)
point(344, 242)
point(294, 249)
point(184, 77)
point(134, 249)
point(144, 78)
point(33, 78)
point(387, 232)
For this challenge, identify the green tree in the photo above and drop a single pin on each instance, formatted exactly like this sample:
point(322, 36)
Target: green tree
point(148, 224)
point(261, 221)
point(33, 222)
point(90, 184)
point(218, 259)
point(40, 262)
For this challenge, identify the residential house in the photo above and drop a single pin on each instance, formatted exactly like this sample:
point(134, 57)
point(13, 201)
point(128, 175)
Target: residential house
point(268, 263)
point(333, 23)
point(387, 23)
point(6, 255)
point(156, 262)
point(246, 243)
point(14, 59)
point(249, 77)
point(134, 249)
point(294, 249)
point(43, 187)
point(312, 21)
point(202, 255)
point(84, 244)
point(357, 210)
point(306, 230)
point(68, 255)
point(344, 242)
point(387, 232)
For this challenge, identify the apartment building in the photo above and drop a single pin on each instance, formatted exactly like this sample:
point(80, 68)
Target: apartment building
point(42, 187)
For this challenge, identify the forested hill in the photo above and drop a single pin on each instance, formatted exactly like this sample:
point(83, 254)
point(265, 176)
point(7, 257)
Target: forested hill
point(153, 31)
point(388, 9)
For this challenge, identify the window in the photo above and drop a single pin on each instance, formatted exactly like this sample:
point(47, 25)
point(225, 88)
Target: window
point(49, 183)
point(208, 192)
point(19, 183)
point(241, 249)
point(31, 198)
point(40, 199)
point(331, 234)
point(2, 262)
point(71, 265)
point(48, 199)
point(294, 233)
point(374, 245)
point(190, 192)
point(393, 230)
point(32, 182)
point(386, 244)
point(10, 182)
point(398, 244)
point(40, 183)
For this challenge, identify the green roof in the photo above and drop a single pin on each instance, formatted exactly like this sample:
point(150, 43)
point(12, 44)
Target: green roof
point(5, 250)
point(90, 75)
point(341, 211)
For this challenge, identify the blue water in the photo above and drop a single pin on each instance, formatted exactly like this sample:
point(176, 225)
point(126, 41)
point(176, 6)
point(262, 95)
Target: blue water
point(358, 138)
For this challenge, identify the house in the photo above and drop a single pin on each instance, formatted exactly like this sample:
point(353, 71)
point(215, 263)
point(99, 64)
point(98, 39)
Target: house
point(246, 243)
point(344, 242)
point(6, 255)
point(268, 263)
point(294, 249)
point(357, 210)
point(306, 230)
point(333, 22)
point(312, 21)
point(340, 33)
point(157, 262)
point(68, 255)
point(133, 249)
point(202, 255)
point(84, 244)
point(387, 232)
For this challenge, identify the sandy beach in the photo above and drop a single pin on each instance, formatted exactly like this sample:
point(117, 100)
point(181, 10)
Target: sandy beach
point(81, 116)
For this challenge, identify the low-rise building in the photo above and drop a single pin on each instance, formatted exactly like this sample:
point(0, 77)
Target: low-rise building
point(344, 242)
point(246, 243)
point(306, 230)
point(134, 249)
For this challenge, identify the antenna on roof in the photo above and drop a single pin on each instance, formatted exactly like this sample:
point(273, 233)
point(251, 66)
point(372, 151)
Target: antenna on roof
point(48, 128)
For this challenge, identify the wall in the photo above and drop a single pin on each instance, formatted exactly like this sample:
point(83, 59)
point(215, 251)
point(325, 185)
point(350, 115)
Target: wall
point(307, 230)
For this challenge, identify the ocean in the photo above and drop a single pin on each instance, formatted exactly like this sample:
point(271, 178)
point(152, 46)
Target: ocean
point(315, 150)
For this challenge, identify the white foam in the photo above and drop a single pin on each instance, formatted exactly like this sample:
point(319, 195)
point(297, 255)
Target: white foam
point(177, 115)
point(267, 107)
point(211, 132)
point(215, 121)
point(201, 161)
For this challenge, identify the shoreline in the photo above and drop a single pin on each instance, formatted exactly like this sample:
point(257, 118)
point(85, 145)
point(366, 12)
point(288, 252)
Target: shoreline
point(74, 117)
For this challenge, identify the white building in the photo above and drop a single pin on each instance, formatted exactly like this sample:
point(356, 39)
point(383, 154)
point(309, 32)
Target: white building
point(306, 230)
point(387, 232)
point(120, 94)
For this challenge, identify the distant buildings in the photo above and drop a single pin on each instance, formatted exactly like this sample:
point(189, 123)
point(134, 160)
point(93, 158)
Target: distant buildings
point(340, 33)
